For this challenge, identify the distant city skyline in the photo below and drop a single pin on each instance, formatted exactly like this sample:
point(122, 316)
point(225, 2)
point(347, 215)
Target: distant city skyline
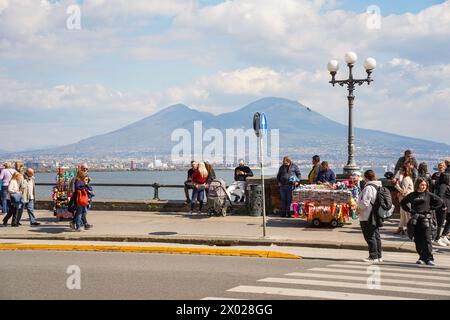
point(129, 60)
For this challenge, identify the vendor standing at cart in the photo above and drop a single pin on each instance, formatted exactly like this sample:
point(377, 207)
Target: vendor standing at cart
point(326, 175)
point(288, 177)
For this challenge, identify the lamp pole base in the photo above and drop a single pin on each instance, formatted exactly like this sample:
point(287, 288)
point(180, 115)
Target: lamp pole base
point(350, 169)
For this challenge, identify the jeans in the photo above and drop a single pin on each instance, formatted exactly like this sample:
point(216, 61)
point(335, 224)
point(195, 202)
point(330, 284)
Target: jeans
point(4, 199)
point(422, 238)
point(200, 195)
point(373, 239)
point(80, 216)
point(286, 199)
point(187, 186)
point(30, 209)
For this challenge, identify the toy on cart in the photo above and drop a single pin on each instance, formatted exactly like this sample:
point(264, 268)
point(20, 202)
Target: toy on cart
point(62, 192)
point(325, 205)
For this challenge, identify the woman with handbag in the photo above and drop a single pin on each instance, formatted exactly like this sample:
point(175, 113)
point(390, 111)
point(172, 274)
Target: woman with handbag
point(405, 186)
point(420, 205)
point(199, 179)
point(15, 188)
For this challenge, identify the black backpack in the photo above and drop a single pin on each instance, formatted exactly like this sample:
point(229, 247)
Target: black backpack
point(383, 208)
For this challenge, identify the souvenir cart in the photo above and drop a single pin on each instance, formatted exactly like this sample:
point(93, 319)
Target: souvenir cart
point(62, 192)
point(325, 204)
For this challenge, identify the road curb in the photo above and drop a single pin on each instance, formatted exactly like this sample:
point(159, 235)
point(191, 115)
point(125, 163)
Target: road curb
point(150, 249)
point(217, 241)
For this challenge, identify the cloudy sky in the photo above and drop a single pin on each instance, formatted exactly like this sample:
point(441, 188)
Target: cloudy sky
point(131, 58)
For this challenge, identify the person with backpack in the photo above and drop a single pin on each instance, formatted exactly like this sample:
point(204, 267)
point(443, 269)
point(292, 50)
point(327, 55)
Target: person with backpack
point(405, 186)
point(368, 220)
point(420, 205)
point(288, 177)
point(443, 216)
point(5, 176)
point(82, 200)
point(15, 189)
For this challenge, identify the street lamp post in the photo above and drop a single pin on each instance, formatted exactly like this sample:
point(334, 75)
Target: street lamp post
point(333, 67)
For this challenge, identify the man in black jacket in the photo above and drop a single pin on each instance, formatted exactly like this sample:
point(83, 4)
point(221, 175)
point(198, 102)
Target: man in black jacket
point(240, 176)
point(188, 182)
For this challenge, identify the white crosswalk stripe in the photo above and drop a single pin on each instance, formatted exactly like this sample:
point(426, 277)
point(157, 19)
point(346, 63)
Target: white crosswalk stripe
point(361, 278)
point(354, 280)
point(392, 274)
point(316, 294)
point(411, 270)
point(350, 285)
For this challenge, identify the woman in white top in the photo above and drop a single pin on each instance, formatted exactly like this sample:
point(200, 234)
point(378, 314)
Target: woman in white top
point(15, 197)
point(405, 186)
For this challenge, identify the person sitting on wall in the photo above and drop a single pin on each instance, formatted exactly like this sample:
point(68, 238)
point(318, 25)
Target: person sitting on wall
point(240, 176)
point(326, 175)
point(188, 182)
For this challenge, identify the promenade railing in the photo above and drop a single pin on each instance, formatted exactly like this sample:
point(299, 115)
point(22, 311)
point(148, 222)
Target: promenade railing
point(155, 186)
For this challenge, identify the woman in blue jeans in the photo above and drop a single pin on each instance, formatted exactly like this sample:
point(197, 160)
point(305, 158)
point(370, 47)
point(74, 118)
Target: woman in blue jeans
point(80, 186)
point(287, 174)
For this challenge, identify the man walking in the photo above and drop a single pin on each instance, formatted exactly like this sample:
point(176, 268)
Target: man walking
point(29, 195)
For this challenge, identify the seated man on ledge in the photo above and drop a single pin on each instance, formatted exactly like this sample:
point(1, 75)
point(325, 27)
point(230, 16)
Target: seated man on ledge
point(326, 176)
point(240, 176)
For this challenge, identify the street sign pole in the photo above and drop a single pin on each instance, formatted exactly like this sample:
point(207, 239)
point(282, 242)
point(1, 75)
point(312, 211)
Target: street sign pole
point(260, 127)
point(261, 150)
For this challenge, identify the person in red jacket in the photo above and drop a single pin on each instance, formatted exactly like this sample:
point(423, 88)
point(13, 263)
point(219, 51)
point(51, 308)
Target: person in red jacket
point(199, 179)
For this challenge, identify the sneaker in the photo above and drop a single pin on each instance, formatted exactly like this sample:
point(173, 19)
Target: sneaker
point(431, 263)
point(370, 260)
point(35, 224)
point(445, 240)
point(88, 226)
point(440, 243)
point(380, 260)
point(191, 213)
point(420, 262)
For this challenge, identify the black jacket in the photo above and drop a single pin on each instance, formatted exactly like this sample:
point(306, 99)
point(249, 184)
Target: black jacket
point(247, 173)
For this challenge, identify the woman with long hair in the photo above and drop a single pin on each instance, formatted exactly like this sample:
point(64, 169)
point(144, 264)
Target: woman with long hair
point(405, 186)
point(199, 179)
point(15, 188)
point(420, 205)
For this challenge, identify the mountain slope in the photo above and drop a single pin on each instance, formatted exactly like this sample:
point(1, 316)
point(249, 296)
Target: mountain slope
point(302, 132)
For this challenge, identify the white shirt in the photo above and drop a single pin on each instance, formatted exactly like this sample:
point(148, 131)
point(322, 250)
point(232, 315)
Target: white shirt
point(367, 199)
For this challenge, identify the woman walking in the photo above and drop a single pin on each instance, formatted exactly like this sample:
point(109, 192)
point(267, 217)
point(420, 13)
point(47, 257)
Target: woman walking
point(199, 179)
point(5, 176)
point(404, 187)
point(420, 204)
point(15, 198)
point(367, 220)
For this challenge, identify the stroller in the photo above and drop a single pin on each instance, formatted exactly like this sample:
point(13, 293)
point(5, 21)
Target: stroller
point(217, 198)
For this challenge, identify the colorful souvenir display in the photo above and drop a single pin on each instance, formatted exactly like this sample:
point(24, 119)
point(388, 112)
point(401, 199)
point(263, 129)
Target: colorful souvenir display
point(62, 192)
point(320, 204)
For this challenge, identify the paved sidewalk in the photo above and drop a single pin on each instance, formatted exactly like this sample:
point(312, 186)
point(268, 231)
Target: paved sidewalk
point(201, 229)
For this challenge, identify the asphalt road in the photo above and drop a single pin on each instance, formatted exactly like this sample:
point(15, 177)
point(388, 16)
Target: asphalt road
point(43, 275)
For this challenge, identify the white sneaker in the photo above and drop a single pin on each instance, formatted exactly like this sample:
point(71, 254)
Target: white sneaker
point(370, 260)
point(445, 240)
point(420, 262)
point(380, 260)
point(190, 212)
point(440, 243)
